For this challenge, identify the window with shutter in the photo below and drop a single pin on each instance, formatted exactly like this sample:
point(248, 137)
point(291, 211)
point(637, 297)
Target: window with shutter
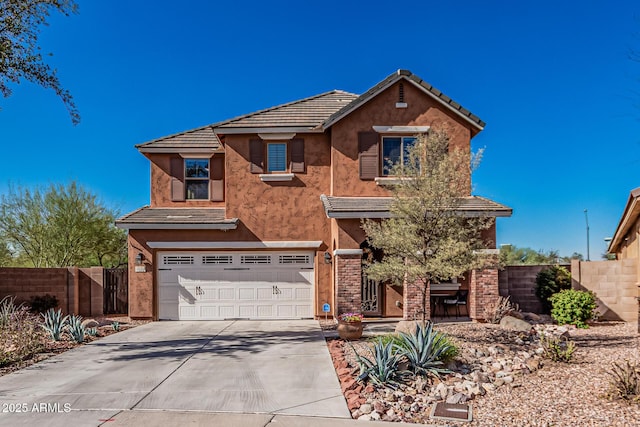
point(196, 179)
point(368, 155)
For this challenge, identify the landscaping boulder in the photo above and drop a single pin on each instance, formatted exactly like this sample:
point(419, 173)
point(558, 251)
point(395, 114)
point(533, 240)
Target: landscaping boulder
point(514, 324)
point(90, 323)
point(407, 326)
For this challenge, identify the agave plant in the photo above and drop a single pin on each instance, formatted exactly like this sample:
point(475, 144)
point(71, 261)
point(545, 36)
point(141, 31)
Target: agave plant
point(383, 369)
point(54, 323)
point(76, 328)
point(92, 332)
point(424, 349)
point(115, 325)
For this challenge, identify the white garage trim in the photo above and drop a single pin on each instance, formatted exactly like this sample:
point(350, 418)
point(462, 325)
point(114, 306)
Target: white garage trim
point(284, 244)
point(217, 285)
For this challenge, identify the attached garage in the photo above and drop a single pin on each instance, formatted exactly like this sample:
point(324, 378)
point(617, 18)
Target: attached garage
point(208, 285)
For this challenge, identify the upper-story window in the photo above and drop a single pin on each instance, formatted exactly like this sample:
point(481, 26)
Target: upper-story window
point(196, 179)
point(277, 157)
point(395, 151)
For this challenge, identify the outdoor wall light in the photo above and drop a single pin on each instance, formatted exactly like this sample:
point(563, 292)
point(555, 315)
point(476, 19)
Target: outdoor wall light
point(327, 258)
point(139, 258)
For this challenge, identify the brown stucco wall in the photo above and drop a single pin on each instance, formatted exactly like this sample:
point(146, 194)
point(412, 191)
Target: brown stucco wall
point(161, 184)
point(421, 111)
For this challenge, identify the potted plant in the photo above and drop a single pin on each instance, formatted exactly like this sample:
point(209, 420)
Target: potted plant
point(350, 326)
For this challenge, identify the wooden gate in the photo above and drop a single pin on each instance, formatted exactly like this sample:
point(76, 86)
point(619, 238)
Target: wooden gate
point(116, 291)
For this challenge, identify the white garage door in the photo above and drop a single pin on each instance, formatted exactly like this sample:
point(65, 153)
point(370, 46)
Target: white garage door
point(228, 285)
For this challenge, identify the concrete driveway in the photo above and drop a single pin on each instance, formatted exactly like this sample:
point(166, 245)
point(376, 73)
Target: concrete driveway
point(259, 367)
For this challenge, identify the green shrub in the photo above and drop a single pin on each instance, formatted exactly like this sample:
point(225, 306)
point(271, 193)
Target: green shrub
point(425, 349)
point(573, 307)
point(54, 323)
point(550, 281)
point(20, 337)
point(42, 303)
point(383, 368)
point(625, 382)
point(558, 349)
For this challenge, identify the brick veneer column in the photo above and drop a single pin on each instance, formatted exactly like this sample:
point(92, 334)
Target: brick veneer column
point(412, 302)
point(483, 292)
point(348, 281)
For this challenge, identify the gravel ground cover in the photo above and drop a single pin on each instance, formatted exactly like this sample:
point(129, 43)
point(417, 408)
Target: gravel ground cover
point(51, 348)
point(537, 391)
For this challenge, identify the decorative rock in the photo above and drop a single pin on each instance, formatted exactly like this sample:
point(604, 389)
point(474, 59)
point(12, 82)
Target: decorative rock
point(90, 323)
point(379, 407)
point(508, 379)
point(365, 417)
point(514, 324)
point(533, 364)
point(532, 317)
point(374, 416)
point(366, 408)
point(457, 398)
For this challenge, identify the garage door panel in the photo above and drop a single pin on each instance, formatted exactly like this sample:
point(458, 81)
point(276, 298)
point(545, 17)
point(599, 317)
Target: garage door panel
point(215, 285)
point(227, 293)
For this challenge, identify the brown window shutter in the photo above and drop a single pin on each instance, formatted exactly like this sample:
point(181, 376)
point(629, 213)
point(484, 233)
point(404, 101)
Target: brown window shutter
point(216, 185)
point(256, 155)
point(368, 155)
point(177, 179)
point(297, 155)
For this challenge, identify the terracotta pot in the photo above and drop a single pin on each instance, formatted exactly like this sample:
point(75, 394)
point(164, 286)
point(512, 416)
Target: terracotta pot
point(350, 330)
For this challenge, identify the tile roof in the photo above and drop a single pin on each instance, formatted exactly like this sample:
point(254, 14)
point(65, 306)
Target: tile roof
point(315, 113)
point(378, 207)
point(627, 221)
point(176, 218)
point(407, 75)
point(200, 138)
point(308, 112)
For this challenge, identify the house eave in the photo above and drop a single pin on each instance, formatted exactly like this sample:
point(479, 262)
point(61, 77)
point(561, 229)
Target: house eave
point(172, 150)
point(231, 225)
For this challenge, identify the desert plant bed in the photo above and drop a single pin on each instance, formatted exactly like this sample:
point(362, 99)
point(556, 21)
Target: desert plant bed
point(506, 377)
point(51, 348)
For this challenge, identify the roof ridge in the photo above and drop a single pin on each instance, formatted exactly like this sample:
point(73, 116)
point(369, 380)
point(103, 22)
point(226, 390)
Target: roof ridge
point(391, 79)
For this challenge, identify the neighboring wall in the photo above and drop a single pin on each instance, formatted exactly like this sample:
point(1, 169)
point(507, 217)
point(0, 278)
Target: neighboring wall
point(519, 282)
point(78, 290)
point(614, 283)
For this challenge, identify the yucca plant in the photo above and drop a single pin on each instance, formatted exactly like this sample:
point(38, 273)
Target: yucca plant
point(76, 329)
point(54, 323)
point(425, 349)
point(625, 382)
point(383, 368)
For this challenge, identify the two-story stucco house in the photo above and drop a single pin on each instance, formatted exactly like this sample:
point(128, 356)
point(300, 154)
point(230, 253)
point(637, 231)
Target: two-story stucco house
point(259, 216)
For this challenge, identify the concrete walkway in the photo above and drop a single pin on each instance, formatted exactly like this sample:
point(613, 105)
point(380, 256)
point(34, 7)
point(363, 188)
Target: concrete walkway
point(179, 373)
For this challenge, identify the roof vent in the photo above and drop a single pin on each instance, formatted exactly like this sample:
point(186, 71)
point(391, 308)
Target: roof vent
point(401, 103)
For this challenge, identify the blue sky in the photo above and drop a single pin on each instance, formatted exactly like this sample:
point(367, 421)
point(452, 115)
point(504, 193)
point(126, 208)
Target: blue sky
point(553, 81)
